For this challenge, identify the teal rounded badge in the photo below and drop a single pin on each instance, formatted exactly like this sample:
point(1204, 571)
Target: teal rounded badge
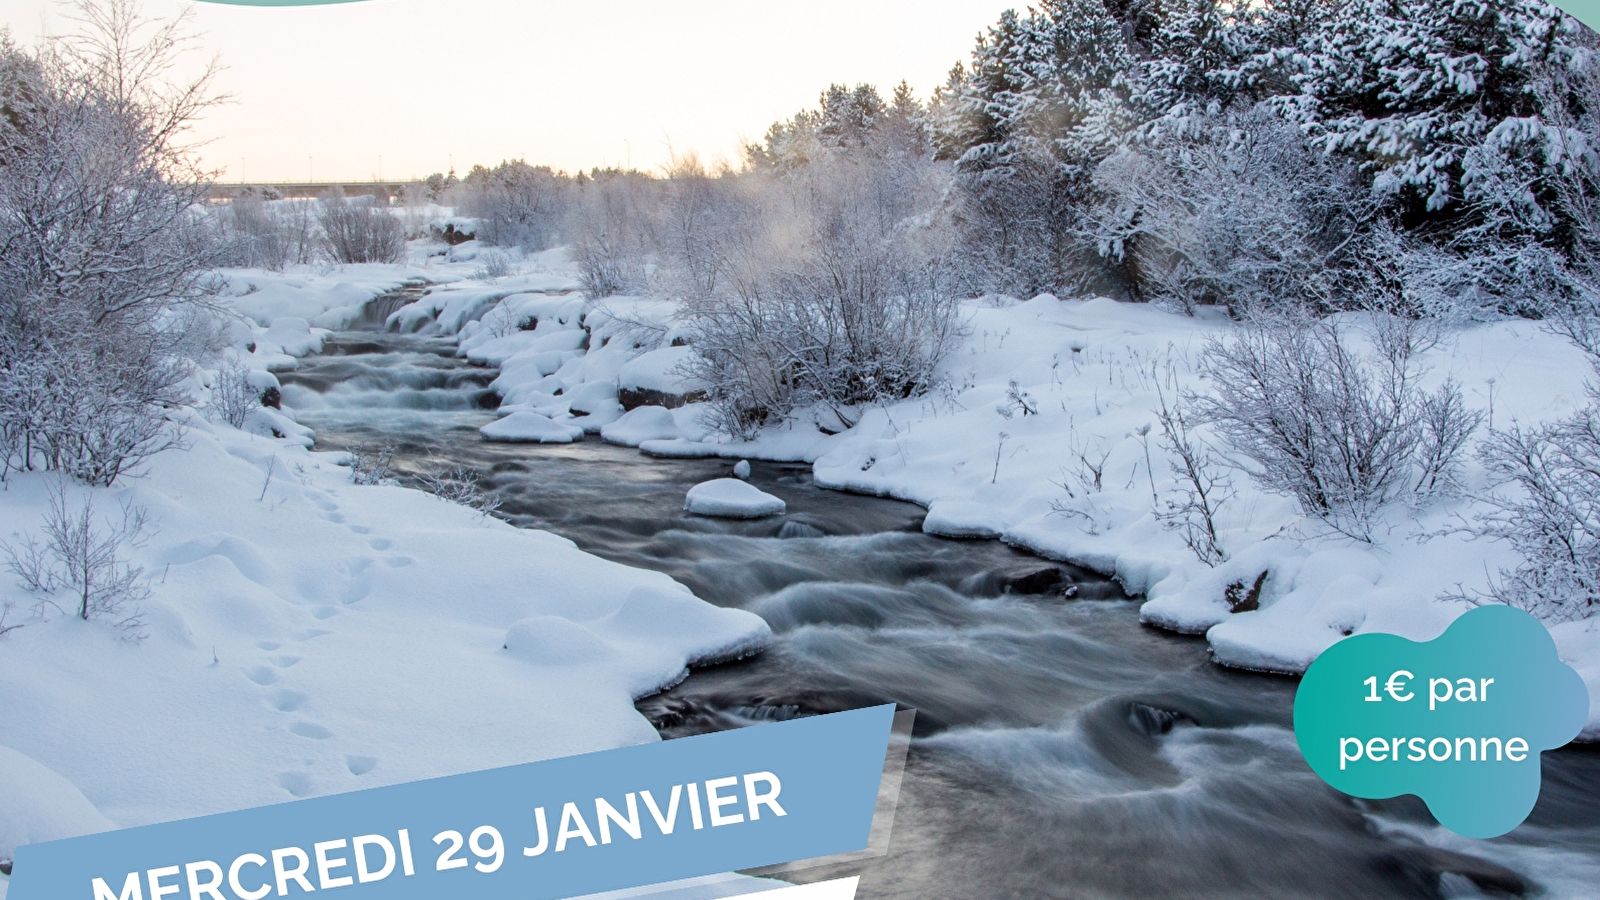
point(1459, 721)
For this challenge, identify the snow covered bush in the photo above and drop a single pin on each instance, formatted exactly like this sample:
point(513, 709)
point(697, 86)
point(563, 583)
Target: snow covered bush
point(256, 233)
point(361, 230)
point(1343, 432)
point(102, 260)
point(1203, 485)
point(494, 265)
point(612, 234)
point(370, 466)
point(515, 204)
point(818, 277)
point(232, 395)
point(82, 557)
point(459, 484)
point(1239, 212)
point(1553, 518)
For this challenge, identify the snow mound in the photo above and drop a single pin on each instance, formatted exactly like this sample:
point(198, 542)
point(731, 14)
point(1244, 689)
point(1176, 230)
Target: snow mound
point(659, 370)
point(741, 469)
point(730, 498)
point(635, 641)
point(963, 519)
point(530, 427)
point(647, 423)
point(38, 805)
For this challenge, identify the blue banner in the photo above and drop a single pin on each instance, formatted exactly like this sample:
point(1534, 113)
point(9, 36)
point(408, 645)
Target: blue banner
point(559, 828)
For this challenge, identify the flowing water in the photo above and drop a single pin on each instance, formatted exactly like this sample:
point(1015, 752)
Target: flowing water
point(1061, 749)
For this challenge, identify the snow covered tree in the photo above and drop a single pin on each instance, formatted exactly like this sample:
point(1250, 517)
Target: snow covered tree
point(818, 276)
point(1414, 89)
point(103, 262)
point(1238, 213)
point(517, 204)
point(361, 229)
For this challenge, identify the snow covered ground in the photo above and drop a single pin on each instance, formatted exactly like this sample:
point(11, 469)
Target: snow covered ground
point(307, 635)
point(1089, 372)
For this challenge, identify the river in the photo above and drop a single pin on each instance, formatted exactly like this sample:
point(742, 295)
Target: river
point(1061, 748)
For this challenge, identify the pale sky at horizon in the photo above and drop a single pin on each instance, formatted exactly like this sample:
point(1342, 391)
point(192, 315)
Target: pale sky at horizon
point(327, 90)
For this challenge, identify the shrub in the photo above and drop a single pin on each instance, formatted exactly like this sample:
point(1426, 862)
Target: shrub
point(516, 204)
point(232, 395)
point(1238, 212)
point(459, 484)
point(1342, 432)
point(268, 235)
point(105, 260)
point(1554, 519)
point(612, 232)
point(818, 283)
point(82, 556)
point(361, 230)
point(369, 466)
point(1203, 486)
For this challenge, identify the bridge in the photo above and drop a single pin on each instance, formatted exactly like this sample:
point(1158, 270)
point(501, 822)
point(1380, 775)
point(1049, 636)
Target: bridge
point(223, 192)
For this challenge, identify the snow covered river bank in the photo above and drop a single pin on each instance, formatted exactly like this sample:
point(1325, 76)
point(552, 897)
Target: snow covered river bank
point(1063, 749)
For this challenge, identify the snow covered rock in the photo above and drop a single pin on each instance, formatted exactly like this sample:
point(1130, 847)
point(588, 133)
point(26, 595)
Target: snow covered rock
point(646, 423)
point(530, 427)
point(630, 640)
point(963, 519)
point(741, 469)
point(730, 498)
point(36, 804)
point(658, 378)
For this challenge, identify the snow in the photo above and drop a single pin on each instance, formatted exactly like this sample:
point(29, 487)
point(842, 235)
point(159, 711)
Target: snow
point(332, 300)
point(307, 635)
point(310, 636)
point(741, 469)
point(659, 370)
point(986, 468)
point(531, 427)
point(37, 805)
point(646, 423)
point(731, 498)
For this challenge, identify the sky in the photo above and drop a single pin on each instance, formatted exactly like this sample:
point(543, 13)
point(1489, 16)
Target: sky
point(402, 88)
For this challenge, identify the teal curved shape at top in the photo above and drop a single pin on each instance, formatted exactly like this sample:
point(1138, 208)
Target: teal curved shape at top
point(1585, 11)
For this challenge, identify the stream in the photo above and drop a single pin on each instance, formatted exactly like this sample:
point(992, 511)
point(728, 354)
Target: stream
point(1061, 749)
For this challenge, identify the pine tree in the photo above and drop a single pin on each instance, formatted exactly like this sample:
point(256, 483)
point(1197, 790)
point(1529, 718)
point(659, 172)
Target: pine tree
point(1411, 87)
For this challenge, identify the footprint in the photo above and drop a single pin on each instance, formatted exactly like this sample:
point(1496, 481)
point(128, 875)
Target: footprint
point(355, 593)
point(311, 730)
point(360, 529)
point(399, 562)
point(381, 543)
point(289, 701)
point(326, 505)
point(360, 765)
point(296, 783)
point(311, 633)
point(326, 612)
point(334, 517)
point(261, 675)
point(268, 645)
point(285, 661)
